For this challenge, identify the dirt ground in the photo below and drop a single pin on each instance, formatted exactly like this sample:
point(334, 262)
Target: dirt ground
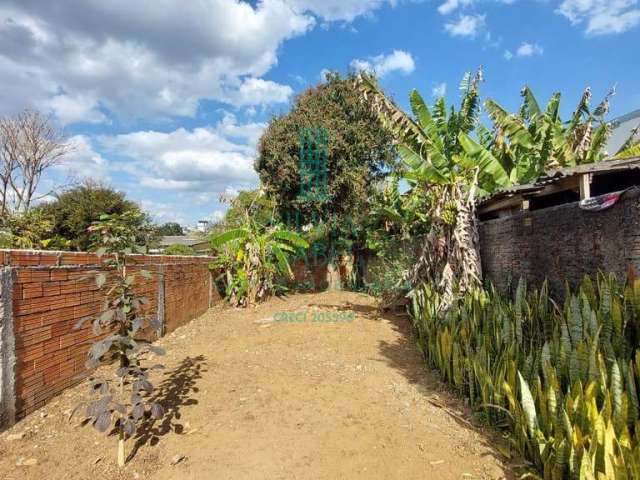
point(314, 386)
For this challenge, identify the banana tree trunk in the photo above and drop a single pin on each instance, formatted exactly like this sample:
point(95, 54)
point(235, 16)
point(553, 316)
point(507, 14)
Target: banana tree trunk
point(450, 257)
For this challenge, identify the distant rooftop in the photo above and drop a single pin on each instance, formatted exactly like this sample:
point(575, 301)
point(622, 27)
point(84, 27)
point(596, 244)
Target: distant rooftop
point(181, 240)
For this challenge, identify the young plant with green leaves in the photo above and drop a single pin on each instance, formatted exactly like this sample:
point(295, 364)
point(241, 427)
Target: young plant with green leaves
point(121, 402)
point(254, 259)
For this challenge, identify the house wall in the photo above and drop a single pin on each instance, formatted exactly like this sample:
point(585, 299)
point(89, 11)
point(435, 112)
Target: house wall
point(44, 294)
point(562, 243)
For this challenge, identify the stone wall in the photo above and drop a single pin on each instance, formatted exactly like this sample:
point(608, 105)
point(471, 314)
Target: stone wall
point(43, 296)
point(562, 243)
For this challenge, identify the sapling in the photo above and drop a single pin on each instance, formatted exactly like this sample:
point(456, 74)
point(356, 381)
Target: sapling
point(122, 401)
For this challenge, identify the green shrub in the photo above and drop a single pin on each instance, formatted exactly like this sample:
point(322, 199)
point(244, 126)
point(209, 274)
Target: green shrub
point(564, 380)
point(254, 260)
point(179, 249)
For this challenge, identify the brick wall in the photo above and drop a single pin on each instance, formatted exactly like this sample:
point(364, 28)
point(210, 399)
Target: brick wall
point(51, 291)
point(562, 243)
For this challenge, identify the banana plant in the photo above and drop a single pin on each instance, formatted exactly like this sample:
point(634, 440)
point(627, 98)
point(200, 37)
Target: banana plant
point(254, 259)
point(441, 158)
point(536, 140)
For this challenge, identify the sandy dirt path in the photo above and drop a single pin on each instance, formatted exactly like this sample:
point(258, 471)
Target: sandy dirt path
point(273, 393)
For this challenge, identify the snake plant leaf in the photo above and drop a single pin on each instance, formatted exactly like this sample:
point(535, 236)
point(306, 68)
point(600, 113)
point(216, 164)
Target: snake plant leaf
point(528, 405)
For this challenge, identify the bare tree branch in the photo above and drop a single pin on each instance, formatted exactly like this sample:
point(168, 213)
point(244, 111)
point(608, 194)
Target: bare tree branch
point(30, 145)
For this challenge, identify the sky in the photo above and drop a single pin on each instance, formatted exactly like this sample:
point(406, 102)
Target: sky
point(166, 99)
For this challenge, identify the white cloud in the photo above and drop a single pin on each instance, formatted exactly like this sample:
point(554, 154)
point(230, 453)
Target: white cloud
point(80, 108)
point(83, 161)
point(524, 50)
point(466, 26)
point(138, 61)
point(256, 91)
point(602, 16)
point(205, 159)
point(217, 215)
point(344, 10)
point(382, 65)
point(440, 90)
point(529, 50)
point(323, 74)
point(451, 5)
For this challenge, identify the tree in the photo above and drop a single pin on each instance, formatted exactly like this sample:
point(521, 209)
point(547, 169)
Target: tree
point(32, 229)
point(170, 229)
point(534, 140)
point(29, 145)
point(74, 210)
point(260, 207)
point(359, 152)
point(252, 258)
point(442, 161)
point(124, 401)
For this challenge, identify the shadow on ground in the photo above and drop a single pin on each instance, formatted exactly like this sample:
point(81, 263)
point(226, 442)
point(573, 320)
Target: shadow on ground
point(174, 392)
point(405, 356)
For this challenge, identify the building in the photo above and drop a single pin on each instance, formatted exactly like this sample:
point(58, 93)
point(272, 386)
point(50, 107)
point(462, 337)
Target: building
point(568, 224)
point(566, 185)
point(202, 226)
point(199, 245)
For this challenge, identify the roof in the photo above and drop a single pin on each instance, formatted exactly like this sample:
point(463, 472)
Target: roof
point(554, 176)
point(180, 240)
point(622, 128)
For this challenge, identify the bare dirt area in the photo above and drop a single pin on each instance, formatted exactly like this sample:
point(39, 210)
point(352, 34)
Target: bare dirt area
point(313, 386)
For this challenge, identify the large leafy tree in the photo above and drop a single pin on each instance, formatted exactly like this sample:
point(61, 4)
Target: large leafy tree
point(74, 210)
point(170, 229)
point(359, 153)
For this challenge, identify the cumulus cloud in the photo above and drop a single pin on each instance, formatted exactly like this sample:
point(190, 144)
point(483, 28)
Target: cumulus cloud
point(204, 159)
point(256, 91)
point(344, 10)
point(602, 16)
point(80, 59)
point(451, 5)
point(83, 161)
point(466, 26)
point(529, 50)
point(70, 109)
point(524, 50)
point(381, 65)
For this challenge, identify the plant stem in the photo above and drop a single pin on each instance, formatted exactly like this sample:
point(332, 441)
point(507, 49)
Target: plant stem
point(121, 457)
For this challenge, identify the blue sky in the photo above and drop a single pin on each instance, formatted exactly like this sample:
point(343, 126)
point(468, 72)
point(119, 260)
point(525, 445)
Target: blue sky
point(166, 99)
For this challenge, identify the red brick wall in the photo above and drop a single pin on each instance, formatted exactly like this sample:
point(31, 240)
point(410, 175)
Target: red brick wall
point(52, 291)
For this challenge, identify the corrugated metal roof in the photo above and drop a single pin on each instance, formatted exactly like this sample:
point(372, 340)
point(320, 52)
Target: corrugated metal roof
point(556, 175)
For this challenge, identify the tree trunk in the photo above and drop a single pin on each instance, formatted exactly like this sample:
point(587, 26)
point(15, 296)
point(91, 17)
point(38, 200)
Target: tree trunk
point(450, 258)
point(333, 275)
